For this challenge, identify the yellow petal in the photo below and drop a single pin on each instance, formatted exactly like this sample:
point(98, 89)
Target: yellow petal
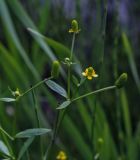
point(71, 30)
point(95, 75)
point(63, 157)
point(89, 77)
point(58, 157)
point(84, 74)
point(86, 71)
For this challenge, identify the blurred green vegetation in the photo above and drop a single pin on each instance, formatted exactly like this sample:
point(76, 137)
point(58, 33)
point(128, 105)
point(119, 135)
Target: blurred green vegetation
point(26, 58)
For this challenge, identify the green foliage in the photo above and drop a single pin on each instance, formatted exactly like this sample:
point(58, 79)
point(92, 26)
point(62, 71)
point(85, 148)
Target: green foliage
point(64, 105)
point(3, 149)
point(32, 132)
point(57, 88)
point(25, 147)
point(7, 99)
point(26, 56)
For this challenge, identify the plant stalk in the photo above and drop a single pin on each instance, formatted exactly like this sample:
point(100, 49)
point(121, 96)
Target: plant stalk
point(46, 156)
point(69, 65)
point(94, 92)
point(35, 86)
point(37, 118)
point(2, 130)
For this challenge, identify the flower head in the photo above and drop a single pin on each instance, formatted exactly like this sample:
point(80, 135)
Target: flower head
point(89, 73)
point(74, 27)
point(61, 156)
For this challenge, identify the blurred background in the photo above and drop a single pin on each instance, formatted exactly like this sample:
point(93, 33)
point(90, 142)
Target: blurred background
point(109, 41)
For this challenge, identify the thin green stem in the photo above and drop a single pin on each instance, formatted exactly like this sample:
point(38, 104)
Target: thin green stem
point(69, 65)
point(46, 156)
point(37, 118)
point(35, 86)
point(14, 128)
point(77, 89)
point(36, 109)
point(93, 128)
point(72, 46)
point(69, 84)
point(55, 127)
point(60, 121)
point(94, 92)
point(2, 130)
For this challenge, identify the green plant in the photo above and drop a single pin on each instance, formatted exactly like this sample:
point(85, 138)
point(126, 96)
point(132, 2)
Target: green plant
point(68, 61)
point(113, 119)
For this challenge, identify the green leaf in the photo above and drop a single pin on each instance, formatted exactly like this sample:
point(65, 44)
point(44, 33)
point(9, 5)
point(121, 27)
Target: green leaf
point(60, 50)
point(129, 51)
point(32, 132)
point(25, 147)
point(7, 99)
point(64, 104)
point(6, 18)
point(57, 88)
point(4, 149)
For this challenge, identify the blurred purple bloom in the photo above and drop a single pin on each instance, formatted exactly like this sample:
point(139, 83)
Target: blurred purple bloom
point(123, 12)
point(69, 8)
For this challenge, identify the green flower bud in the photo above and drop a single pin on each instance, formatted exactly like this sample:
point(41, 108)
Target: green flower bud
point(121, 81)
point(100, 141)
point(55, 69)
point(67, 60)
point(74, 25)
point(16, 93)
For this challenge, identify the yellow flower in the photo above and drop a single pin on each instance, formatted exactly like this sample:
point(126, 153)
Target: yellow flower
point(74, 27)
point(61, 156)
point(89, 73)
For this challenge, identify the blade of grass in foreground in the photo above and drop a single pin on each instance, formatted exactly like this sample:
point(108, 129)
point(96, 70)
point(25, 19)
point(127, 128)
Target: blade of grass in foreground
point(11, 61)
point(76, 138)
point(25, 147)
point(23, 17)
point(4, 13)
point(129, 140)
point(130, 55)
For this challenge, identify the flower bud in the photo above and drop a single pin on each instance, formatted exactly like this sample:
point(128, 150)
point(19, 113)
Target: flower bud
point(74, 25)
point(121, 81)
point(67, 60)
point(100, 141)
point(55, 69)
point(16, 93)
